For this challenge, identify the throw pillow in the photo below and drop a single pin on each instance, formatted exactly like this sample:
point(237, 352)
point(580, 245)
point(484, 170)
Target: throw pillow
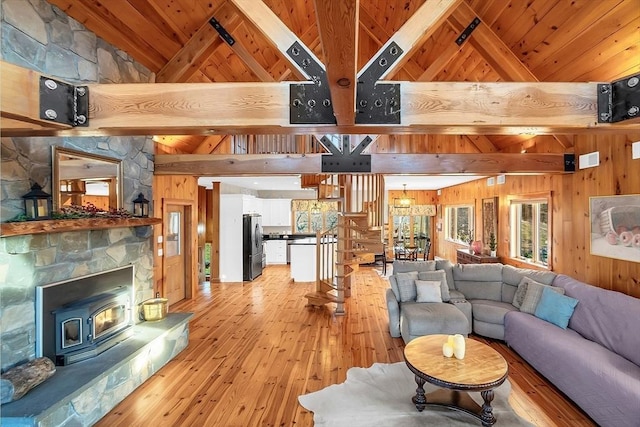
point(439, 276)
point(533, 295)
point(406, 285)
point(555, 308)
point(518, 297)
point(428, 291)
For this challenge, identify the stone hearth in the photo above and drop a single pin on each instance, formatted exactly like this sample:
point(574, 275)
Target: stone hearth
point(82, 393)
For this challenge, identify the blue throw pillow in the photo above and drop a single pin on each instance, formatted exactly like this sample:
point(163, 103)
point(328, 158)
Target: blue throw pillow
point(555, 308)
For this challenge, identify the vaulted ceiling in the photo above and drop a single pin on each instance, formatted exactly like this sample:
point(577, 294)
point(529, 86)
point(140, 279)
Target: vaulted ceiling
point(517, 40)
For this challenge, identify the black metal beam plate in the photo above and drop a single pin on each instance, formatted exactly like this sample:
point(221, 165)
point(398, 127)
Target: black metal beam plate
point(348, 163)
point(309, 103)
point(379, 103)
point(222, 31)
point(61, 102)
point(467, 31)
point(620, 100)
point(569, 162)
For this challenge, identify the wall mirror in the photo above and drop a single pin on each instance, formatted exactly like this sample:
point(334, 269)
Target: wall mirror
point(80, 178)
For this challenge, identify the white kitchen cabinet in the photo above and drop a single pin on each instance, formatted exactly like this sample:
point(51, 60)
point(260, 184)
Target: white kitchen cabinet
point(251, 205)
point(276, 251)
point(276, 212)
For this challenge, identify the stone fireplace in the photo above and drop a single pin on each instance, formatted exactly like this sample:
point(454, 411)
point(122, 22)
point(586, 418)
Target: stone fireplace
point(80, 318)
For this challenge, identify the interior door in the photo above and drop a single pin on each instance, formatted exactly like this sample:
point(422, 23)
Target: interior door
point(175, 252)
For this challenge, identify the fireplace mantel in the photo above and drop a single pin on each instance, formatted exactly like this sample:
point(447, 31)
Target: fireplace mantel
point(62, 225)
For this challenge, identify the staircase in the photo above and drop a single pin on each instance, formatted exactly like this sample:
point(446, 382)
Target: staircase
point(355, 240)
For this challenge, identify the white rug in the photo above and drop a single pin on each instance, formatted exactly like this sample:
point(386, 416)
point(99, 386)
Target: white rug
point(381, 396)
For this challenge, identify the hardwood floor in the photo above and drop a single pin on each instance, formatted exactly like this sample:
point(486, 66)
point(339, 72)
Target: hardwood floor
point(254, 348)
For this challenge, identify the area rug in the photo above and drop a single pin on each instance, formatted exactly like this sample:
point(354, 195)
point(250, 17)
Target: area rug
point(381, 395)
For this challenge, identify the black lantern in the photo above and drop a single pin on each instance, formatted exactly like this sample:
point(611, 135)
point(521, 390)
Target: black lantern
point(37, 203)
point(141, 206)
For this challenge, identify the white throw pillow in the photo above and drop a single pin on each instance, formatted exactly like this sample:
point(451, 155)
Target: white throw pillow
point(428, 291)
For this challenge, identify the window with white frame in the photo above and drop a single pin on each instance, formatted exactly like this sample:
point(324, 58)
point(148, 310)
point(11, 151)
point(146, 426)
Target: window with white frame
point(530, 230)
point(459, 223)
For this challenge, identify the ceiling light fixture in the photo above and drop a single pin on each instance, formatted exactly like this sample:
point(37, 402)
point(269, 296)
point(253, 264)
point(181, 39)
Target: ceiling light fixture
point(403, 202)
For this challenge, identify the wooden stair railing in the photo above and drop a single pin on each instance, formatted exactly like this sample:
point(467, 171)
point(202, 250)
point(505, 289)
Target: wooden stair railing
point(358, 235)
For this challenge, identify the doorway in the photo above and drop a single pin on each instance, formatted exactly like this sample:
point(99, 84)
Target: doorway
point(176, 266)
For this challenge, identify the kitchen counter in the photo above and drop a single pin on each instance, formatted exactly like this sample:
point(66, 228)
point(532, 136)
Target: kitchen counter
point(303, 258)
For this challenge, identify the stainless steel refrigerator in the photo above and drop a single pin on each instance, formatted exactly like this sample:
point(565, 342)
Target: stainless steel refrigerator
point(251, 246)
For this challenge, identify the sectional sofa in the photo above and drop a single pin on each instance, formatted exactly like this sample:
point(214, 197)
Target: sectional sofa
point(584, 339)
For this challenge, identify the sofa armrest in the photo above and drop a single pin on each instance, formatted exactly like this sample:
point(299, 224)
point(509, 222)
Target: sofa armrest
point(464, 306)
point(454, 295)
point(393, 307)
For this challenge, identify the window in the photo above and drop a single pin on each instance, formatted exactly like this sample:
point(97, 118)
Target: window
point(459, 220)
point(530, 231)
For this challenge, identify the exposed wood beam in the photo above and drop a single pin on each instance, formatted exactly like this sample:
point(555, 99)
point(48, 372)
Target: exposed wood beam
point(273, 29)
point(482, 143)
point(447, 52)
point(252, 64)
point(222, 108)
point(501, 58)
point(275, 164)
point(338, 21)
point(421, 25)
point(210, 143)
point(188, 60)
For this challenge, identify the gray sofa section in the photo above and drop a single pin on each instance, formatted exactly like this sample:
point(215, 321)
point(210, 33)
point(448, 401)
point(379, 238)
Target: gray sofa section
point(596, 360)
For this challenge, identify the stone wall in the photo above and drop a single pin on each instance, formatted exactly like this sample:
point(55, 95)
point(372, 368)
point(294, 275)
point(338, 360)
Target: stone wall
point(41, 37)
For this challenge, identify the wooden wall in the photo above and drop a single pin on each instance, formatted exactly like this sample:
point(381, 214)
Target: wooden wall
point(176, 188)
point(617, 174)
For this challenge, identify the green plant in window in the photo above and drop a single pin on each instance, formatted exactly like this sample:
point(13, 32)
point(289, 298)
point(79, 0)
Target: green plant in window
point(492, 241)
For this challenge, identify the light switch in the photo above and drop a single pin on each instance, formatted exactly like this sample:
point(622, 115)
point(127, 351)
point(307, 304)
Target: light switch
point(160, 239)
point(160, 253)
point(635, 150)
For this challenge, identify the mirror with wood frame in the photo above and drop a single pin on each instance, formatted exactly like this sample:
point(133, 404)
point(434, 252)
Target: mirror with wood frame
point(81, 178)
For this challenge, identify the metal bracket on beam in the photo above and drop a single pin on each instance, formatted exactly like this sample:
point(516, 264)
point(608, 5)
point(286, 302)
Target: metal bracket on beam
point(347, 161)
point(222, 31)
point(309, 103)
point(619, 100)
point(379, 103)
point(467, 31)
point(61, 102)
point(569, 162)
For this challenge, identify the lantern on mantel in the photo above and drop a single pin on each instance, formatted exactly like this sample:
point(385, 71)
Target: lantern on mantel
point(141, 206)
point(37, 204)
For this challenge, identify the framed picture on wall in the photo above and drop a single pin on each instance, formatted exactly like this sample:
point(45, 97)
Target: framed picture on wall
point(489, 219)
point(615, 226)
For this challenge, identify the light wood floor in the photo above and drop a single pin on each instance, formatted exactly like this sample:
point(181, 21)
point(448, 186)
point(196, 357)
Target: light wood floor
point(255, 347)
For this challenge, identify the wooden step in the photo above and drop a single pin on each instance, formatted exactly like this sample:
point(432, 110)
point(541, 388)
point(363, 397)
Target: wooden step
point(320, 298)
point(326, 286)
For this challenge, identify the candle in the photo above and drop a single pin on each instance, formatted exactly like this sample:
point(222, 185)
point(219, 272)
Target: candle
point(458, 346)
point(447, 350)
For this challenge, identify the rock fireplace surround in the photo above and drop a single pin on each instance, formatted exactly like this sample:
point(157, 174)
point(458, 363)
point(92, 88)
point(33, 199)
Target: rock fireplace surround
point(81, 393)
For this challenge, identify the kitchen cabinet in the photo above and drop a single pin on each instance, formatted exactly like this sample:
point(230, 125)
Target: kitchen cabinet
point(276, 251)
point(252, 205)
point(276, 212)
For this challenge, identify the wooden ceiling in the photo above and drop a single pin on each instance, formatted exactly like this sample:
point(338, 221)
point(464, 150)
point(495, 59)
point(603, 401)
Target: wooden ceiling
point(517, 40)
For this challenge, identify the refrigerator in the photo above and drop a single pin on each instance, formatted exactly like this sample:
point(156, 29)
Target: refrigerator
point(251, 246)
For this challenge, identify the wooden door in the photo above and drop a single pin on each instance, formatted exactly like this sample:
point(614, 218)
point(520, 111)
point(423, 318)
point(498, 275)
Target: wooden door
point(175, 253)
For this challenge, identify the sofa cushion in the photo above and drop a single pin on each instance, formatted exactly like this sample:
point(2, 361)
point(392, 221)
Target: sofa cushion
point(439, 276)
point(512, 277)
point(428, 291)
point(555, 308)
point(490, 311)
point(533, 295)
point(521, 292)
point(607, 317)
point(417, 319)
point(447, 266)
point(479, 281)
point(406, 285)
point(400, 266)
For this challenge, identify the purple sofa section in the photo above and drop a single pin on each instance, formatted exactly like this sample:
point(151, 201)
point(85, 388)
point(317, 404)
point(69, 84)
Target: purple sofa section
point(609, 318)
point(605, 385)
point(590, 371)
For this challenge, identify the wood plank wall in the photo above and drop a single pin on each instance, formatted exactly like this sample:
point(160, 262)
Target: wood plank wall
point(175, 187)
point(617, 175)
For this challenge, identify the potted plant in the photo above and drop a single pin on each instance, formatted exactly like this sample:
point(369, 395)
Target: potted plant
point(493, 245)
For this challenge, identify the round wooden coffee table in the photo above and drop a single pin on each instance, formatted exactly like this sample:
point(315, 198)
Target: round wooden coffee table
point(481, 370)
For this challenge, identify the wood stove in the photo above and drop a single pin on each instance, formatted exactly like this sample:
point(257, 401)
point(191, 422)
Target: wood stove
point(80, 318)
point(87, 327)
